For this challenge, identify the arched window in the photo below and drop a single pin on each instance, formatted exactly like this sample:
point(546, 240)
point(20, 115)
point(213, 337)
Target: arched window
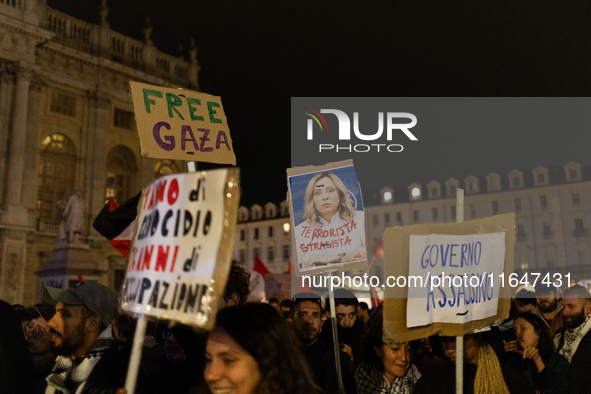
point(57, 171)
point(121, 174)
point(164, 167)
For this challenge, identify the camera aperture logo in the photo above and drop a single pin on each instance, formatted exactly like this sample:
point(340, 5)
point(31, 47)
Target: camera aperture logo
point(317, 121)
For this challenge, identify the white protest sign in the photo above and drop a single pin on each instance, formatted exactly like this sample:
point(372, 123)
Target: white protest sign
point(328, 218)
point(178, 260)
point(456, 277)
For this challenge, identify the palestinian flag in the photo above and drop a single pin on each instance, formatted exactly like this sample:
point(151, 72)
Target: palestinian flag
point(117, 223)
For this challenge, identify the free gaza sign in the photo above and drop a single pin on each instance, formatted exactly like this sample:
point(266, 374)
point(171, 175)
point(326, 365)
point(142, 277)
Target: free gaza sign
point(181, 124)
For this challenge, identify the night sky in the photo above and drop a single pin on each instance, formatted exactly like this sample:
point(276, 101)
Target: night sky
point(256, 55)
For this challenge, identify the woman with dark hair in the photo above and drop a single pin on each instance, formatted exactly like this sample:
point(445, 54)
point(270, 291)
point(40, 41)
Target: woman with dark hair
point(484, 371)
point(250, 352)
point(542, 365)
point(387, 368)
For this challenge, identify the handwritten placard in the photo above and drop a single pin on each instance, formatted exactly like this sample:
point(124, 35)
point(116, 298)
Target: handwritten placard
point(468, 257)
point(181, 124)
point(459, 277)
point(179, 259)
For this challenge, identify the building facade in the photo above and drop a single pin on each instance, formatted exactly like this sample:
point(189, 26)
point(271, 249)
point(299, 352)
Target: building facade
point(67, 124)
point(552, 209)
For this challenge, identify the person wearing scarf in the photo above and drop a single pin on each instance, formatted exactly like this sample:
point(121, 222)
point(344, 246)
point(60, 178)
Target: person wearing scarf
point(386, 368)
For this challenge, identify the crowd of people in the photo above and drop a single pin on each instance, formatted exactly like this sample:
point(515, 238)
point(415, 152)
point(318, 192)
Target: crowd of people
point(77, 342)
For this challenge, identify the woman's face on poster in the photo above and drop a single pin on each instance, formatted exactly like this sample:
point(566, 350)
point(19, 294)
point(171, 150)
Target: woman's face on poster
point(326, 197)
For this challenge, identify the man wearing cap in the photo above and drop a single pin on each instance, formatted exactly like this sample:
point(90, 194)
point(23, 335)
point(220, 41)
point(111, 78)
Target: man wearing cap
point(550, 306)
point(307, 325)
point(38, 341)
point(80, 332)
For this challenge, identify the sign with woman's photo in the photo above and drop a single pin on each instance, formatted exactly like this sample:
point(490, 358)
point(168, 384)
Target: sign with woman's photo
point(327, 218)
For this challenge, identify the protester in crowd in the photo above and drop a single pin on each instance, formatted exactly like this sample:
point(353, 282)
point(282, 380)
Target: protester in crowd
point(327, 206)
point(237, 287)
point(38, 340)
point(574, 340)
point(180, 367)
point(307, 326)
point(363, 312)
point(351, 330)
point(550, 305)
point(285, 305)
point(426, 360)
point(16, 367)
point(527, 302)
point(81, 335)
point(485, 370)
point(274, 302)
point(386, 368)
point(249, 351)
point(537, 357)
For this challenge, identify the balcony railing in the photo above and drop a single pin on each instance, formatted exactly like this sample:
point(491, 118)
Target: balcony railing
point(106, 43)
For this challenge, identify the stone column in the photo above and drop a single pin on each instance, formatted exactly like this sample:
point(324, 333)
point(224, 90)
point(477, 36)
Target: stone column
point(96, 154)
point(29, 193)
point(6, 96)
point(17, 147)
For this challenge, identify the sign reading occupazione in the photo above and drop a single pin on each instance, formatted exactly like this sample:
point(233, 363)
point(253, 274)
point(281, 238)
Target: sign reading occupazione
point(181, 251)
point(181, 124)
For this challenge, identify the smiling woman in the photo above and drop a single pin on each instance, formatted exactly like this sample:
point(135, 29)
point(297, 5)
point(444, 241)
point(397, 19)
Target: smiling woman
point(250, 352)
point(387, 368)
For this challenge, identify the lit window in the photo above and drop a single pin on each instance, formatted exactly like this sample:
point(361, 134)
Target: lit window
point(286, 227)
point(387, 196)
point(121, 171)
point(416, 192)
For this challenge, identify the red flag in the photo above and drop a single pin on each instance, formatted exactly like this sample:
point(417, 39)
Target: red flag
point(257, 281)
point(259, 267)
point(380, 250)
point(80, 278)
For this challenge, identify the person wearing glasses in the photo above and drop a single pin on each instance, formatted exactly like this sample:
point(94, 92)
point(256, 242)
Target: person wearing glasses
point(333, 230)
point(38, 339)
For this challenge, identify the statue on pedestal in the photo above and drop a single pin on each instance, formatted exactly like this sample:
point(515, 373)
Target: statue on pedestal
point(73, 216)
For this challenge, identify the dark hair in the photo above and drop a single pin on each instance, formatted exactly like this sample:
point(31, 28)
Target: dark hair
point(286, 303)
point(526, 297)
point(261, 332)
point(273, 300)
point(364, 306)
point(374, 340)
point(577, 291)
point(543, 288)
point(304, 297)
point(346, 298)
point(545, 343)
point(237, 283)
